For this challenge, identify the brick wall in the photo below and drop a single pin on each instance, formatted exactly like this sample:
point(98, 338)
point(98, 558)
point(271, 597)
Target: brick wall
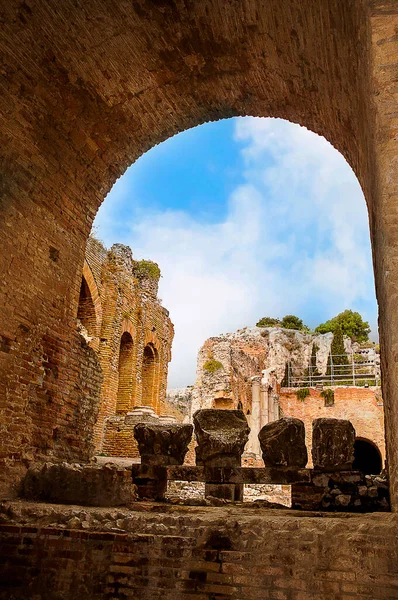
point(362, 406)
point(211, 554)
point(74, 116)
point(133, 341)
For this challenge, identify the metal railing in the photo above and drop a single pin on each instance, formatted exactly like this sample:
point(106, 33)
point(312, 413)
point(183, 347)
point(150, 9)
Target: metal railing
point(339, 372)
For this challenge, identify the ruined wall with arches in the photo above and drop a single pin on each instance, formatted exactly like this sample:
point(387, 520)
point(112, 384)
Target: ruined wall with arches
point(88, 87)
point(132, 336)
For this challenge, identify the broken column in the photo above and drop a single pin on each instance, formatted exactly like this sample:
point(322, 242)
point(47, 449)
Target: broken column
point(255, 417)
point(221, 436)
point(283, 443)
point(159, 445)
point(332, 444)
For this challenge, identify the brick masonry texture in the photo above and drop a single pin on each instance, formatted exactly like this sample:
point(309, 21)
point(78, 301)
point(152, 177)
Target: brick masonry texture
point(362, 406)
point(86, 88)
point(132, 335)
point(190, 553)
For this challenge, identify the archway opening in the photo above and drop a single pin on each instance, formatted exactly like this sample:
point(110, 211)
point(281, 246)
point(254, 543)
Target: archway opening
point(86, 310)
point(125, 382)
point(367, 457)
point(149, 369)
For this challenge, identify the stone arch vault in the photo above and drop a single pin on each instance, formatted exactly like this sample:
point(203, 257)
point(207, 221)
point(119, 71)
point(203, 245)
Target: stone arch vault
point(87, 87)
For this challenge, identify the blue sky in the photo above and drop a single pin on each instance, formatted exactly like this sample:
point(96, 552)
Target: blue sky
point(246, 217)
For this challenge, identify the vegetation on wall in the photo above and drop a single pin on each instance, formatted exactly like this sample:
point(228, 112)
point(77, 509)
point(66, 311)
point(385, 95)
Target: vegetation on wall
point(302, 394)
point(328, 395)
point(146, 269)
point(351, 324)
point(212, 365)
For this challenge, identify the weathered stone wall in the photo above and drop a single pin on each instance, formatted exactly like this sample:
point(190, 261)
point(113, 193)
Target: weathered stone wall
point(362, 406)
point(245, 353)
point(132, 325)
point(188, 553)
point(181, 400)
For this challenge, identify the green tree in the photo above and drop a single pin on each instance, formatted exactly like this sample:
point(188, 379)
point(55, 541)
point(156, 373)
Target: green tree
point(285, 380)
point(314, 370)
point(351, 324)
point(268, 322)
point(293, 322)
point(337, 354)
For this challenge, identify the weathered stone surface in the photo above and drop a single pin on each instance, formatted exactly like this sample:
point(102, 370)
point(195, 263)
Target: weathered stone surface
point(87, 485)
point(245, 353)
point(347, 491)
point(165, 444)
point(221, 436)
point(283, 443)
point(332, 444)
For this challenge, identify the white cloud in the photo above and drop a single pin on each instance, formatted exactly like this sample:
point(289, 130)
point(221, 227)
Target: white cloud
point(295, 239)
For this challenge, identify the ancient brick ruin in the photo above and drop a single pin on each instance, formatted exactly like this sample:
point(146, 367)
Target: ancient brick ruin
point(87, 88)
point(250, 367)
point(124, 322)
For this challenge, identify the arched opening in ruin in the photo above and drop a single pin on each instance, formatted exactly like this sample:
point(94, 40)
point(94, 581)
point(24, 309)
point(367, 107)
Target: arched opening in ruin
point(125, 372)
point(310, 66)
point(86, 310)
point(150, 363)
point(367, 457)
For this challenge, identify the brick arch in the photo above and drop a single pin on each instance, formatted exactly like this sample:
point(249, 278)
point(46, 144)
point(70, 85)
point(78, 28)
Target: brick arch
point(368, 457)
point(88, 276)
point(150, 376)
point(125, 374)
point(79, 106)
point(89, 311)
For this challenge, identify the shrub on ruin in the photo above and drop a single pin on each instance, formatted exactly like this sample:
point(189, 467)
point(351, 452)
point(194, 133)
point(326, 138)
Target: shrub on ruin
point(293, 322)
point(212, 365)
point(302, 394)
point(146, 269)
point(328, 396)
point(268, 322)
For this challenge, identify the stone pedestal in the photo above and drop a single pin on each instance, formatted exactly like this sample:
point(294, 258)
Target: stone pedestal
point(221, 437)
point(141, 414)
point(332, 444)
point(283, 443)
point(159, 445)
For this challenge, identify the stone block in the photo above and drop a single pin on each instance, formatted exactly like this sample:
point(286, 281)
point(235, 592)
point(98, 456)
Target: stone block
point(332, 444)
point(221, 436)
point(162, 444)
point(86, 485)
point(283, 443)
